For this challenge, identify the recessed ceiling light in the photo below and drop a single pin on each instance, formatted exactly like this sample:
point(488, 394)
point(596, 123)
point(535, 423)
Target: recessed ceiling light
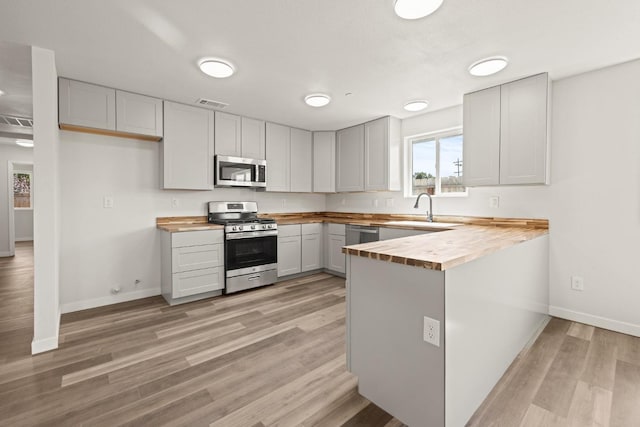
point(416, 9)
point(217, 68)
point(24, 143)
point(317, 99)
point(418, 105)
point(488, 66)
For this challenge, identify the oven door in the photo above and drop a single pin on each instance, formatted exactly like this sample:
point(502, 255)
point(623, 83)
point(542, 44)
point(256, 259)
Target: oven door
point(244, 255)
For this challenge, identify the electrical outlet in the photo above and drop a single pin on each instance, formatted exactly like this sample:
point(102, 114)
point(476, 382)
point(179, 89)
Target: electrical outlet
point(431, 331)
point(577, 283)
point(284, 203)
point(374, 203)
point(494, 202)
point(107, 202)
point(388, 203)
point(175, 202)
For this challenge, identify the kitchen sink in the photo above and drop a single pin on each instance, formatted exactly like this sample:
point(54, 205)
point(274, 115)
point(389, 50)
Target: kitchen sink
point(424, 224)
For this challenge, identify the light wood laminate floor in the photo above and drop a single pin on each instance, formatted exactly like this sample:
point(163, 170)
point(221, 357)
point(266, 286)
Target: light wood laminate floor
point(273, 356)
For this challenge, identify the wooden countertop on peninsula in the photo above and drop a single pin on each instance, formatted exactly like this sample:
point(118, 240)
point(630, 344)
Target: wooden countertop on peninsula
point(446, 249)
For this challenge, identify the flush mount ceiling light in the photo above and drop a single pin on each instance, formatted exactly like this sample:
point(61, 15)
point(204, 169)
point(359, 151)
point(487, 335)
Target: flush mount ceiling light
point(24, 143)
point(416, 9)
point(1, 92)
point(217, 68)
point(417, 105)
point(488, 66)
point(317, 99)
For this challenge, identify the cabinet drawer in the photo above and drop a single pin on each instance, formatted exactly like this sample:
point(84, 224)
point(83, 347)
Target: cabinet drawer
point(289, 230)
point(315, 228)
point(337, 229)
point(197, 282)
point(188, 258)
point(194, 238)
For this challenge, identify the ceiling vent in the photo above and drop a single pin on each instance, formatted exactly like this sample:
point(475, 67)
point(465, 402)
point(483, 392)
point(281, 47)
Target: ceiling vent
point(211, 103)
point(15, 127)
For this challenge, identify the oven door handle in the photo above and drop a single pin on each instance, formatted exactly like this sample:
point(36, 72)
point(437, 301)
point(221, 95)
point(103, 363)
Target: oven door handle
point(256, 277)
point(251, 234)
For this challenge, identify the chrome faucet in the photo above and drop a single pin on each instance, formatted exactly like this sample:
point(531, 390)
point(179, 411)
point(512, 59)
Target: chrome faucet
point(430, 212)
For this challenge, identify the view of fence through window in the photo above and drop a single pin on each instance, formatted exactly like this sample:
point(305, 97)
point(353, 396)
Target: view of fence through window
point(21, 190)
point(437, 165)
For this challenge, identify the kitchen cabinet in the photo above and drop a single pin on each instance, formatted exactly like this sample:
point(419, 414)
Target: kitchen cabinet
point(311, 252)
point(382, 155)
point(334, 258)
point(192, 265)
point(350, 159)
point(506, 133)
point(188, 147)
point(228, 134)
point(324, 162)
point(278, 152)
point(138, 114)
point(86, 107)
point(253, 138)
point(301, 161)
point(289, 249)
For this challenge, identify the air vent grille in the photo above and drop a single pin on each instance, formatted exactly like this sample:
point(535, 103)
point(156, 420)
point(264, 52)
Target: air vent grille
point(211, 103)
point(16, 121)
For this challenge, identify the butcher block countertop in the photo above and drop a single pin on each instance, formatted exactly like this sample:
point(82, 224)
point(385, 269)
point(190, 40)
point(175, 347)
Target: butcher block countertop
point(186, 223)
point(446, 249)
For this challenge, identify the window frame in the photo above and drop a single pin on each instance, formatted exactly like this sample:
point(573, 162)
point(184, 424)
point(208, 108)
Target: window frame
point(24, 172)
point(408, 149)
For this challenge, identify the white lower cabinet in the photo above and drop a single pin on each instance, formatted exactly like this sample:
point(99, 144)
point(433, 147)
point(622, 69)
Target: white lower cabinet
point(299, 248)
point(311, 247)
point(334, 258)
point(288, 255)
point(192, 265)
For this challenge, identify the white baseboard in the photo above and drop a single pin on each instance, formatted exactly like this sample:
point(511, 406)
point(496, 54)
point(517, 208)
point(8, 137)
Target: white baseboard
point(47, 344)
point(24, 239)
point(7, 253)
point(600, 322)
point(108, 300)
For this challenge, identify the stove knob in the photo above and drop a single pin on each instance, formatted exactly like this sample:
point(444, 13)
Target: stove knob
point(253, 227)
point(233, 228)
point(269, 226)
point(240, 228)
point(264, 227)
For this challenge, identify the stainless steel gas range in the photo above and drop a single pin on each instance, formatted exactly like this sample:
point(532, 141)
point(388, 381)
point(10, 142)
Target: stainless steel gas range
point(251, 245)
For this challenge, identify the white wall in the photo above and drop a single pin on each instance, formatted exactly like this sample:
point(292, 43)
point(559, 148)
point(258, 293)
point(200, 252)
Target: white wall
point(46, 218)
point(593, 203)
point(104, 248)
point(8, 153)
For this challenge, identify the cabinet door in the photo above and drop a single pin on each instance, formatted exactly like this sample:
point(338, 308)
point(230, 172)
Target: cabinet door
point(253, 139)
point(311, 258)
point(336, 257)
point(350, 159)
point(86, 105)
point(301, 161)
point(227, 138)
point(278, 150)
point(196, 257)
point(324, 162)
point(288, 255)
point(481, 154)
point(138, 114)
point(376, 154)
point(523, 131)
point(187, 148)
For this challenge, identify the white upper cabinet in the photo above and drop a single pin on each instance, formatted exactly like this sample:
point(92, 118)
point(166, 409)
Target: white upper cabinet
point(301, 161)
point(506, 133)
point(324, 162)
point(382, 155)
point(187, 149)
point(350, 159)
point(97, 109)
point(481, 154)
point(253, 139)
point(228, 134)
point(278, 152)
point(86, 105)
point(524, 131)
point(138, 114)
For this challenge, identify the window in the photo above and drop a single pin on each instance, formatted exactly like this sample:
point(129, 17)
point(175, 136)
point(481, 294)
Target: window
point(435, 164)
point(22, 190)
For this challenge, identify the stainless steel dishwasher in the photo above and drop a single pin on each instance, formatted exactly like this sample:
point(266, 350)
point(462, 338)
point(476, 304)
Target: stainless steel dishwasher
point(361, 234)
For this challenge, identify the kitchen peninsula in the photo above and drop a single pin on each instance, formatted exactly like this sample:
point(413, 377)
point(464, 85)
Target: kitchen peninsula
point(480, 293)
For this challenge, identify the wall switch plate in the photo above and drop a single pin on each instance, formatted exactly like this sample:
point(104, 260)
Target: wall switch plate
point(577, 283)
point(431, 331)
point(107, 202)
point(175, 203)
point(494, 202)
point(388, 203)
point(374, 203)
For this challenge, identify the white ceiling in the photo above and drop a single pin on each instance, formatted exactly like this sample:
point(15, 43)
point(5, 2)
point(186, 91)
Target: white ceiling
point(15, 79)
point(285, 49)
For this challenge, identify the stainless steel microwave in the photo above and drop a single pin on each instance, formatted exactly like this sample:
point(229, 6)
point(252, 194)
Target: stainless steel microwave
point(240, 172)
